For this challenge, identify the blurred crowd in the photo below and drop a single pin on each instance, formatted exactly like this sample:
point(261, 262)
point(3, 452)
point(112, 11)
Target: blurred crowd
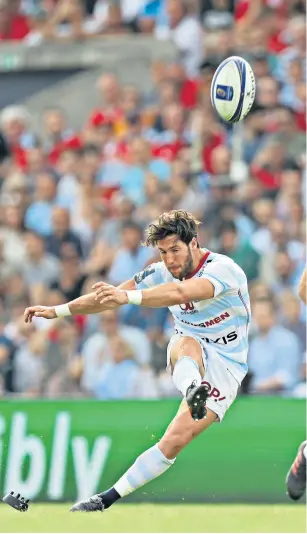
point(74, 204)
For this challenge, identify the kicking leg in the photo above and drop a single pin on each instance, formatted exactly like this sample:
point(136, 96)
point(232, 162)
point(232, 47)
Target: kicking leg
point(188, 370)
point(187, 374)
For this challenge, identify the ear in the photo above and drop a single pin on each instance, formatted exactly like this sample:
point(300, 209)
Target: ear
point(194, 243)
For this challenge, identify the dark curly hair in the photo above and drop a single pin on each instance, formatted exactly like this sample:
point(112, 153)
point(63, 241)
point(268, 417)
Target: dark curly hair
point(175, 222)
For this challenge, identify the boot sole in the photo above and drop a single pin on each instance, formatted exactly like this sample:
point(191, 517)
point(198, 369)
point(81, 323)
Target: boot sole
point(197, 402)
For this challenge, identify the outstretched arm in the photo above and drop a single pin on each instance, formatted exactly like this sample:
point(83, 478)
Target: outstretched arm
point(160, 296)
point(302, 287)
point(84, 305)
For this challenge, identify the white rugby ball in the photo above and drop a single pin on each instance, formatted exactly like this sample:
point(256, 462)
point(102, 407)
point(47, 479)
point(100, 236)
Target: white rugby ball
point(233, 89)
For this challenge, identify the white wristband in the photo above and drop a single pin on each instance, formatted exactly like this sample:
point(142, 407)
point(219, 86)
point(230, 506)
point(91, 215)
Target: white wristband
point(135, 297)
point(62, 310)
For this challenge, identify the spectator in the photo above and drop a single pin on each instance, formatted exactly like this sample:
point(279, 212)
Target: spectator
point(15, 122)
point(185, 191)
point(262, 212)
point(7, 355)
point(186, 32)
point(64, 365)
point(97, 350)
point(287, 277)
point(121, 378)
point(278, 238)
point(291, 316)
point(61, 233)
point(217, 15)
point(110, 94)
point(39, 215)
point(288, 134)
point(55, 126)
point(275, 353)
point(133, 181)
point(68, 166)
point(131, 258)
point(70, 280)
point(254, 133)
point(12, 235)
point(39, 267)
point(29, 366)
point(239, 251)
point(290, 185)
point(13, 25)
point(37, 163)
point(186, 87)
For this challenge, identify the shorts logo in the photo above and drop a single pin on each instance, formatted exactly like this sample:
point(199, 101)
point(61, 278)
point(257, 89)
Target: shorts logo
point(214, 392)
point(188, 306)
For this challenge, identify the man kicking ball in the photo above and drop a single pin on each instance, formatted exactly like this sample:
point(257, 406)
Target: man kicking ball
point(208, 297)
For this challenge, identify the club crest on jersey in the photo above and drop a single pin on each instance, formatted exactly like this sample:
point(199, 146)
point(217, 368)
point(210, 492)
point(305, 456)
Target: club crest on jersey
point(187, 306)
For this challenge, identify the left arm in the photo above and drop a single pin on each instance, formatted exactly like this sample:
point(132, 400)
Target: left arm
point(161, 296)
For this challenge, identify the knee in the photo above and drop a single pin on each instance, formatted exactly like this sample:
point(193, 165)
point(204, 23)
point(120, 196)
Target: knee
point(187, 344)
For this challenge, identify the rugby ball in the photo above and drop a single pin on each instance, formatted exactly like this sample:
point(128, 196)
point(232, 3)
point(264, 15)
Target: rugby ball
point(233, 89)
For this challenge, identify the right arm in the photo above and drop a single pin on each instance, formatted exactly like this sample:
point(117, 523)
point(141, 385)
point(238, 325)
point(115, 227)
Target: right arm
point(302, 287)
point(84, 305)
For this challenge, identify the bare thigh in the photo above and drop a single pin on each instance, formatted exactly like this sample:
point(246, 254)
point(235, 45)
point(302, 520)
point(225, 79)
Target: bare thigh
point(187, 346)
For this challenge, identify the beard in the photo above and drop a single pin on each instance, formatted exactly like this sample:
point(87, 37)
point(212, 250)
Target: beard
point(187, 268)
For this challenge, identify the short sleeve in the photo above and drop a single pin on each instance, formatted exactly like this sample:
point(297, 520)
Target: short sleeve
point(224, 276)
point(149, 277)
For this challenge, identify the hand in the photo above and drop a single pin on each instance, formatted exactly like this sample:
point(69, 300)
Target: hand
point(110, 294)
point(39, 311)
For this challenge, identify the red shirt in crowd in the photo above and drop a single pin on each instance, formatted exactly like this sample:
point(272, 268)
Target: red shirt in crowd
point(188, 93)
point(17, 30)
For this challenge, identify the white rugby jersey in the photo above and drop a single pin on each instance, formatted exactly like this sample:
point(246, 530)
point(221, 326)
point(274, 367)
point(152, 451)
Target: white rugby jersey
point(222, 321)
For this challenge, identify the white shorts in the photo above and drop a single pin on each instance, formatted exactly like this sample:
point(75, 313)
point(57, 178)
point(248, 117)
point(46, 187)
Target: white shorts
point(223, 385)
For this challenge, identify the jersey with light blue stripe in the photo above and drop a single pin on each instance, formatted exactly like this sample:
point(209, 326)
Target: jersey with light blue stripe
point(221, 322)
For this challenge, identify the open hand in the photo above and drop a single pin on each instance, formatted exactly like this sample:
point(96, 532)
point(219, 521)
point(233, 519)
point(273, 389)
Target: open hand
point(39, 311)
point(108, 294)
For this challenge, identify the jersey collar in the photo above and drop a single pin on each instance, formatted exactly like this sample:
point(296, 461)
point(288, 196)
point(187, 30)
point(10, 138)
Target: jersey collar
point(199, 266)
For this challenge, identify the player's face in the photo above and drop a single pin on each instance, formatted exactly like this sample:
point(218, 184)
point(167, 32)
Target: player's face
point(177, 256)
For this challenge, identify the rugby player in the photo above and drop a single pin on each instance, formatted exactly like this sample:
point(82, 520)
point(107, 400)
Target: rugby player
point(296, 477)
point(208, 297)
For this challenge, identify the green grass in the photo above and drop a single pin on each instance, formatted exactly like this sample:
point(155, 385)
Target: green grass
point(157, 518)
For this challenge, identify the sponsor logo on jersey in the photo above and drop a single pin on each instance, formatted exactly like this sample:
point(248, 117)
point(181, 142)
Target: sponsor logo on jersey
point(217, 319)
point(223, 340)
point(210, 322)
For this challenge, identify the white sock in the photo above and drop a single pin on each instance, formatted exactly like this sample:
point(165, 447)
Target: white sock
point(149, 465)
point(186, 370)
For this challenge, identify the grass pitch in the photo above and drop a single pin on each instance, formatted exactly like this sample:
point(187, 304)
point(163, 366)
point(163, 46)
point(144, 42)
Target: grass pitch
point(157, 518)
